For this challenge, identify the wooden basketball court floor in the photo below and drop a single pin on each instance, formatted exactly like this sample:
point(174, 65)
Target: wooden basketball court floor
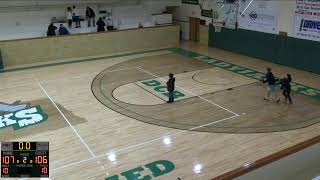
point(108, 118)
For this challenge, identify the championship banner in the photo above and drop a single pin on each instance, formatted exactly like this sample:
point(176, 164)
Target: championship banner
point(207, 13)
point(206, 8)
point(307, 20)
point(259, 15)
point(195, 2)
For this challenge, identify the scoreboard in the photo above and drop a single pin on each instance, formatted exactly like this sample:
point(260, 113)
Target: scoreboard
point(24, 159)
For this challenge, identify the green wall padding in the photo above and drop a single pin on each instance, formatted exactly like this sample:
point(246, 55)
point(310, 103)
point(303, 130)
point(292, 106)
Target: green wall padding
point(293, 52)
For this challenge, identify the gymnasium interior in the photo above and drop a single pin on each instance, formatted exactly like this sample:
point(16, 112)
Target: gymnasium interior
point(160, 89)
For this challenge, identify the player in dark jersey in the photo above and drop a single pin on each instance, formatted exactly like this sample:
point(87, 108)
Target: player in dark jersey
point(170, 87)
point(271, 80)
point(286, 87)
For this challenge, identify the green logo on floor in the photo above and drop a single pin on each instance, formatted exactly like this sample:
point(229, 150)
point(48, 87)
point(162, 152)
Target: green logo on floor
point(157, 168)
point(158, 87)
point(14, 115)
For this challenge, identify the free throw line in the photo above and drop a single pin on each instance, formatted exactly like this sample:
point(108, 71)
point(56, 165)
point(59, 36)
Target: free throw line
point(191, 92)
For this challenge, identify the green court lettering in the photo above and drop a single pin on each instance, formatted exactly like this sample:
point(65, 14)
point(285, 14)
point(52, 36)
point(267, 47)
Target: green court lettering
point(134, 174)
point(222, 64)
point(151, 83)
point(245, 71)
point(158, 168)
point(311, 92)
point(213, 61)
point(202, 58)
point(23, 118)
point(235, 68)
point(176, 94)
point(258, 76)
point(160, 89)
point(161, 167)
point(29, 116)
point(5, 120)
point(116, 177)
point(297, 87)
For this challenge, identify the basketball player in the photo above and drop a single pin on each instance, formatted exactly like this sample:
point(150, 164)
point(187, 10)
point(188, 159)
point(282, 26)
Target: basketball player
point(170, 87)
point(286, 88)
point(271, 80)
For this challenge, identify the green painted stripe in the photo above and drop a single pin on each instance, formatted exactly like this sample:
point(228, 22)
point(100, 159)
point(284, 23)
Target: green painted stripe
point(244, 71)
point(1, 61)
point(78, 61)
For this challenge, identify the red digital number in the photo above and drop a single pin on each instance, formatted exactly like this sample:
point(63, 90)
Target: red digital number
point(6, 159)
point(41, 159)
point(44, 170)
point(5, 170)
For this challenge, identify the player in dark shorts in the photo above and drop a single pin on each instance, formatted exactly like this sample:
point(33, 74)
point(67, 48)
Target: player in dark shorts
point(286, 87)
point(170, 87)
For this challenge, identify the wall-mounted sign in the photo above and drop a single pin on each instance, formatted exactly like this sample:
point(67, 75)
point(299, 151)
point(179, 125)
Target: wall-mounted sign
point(258, 15)
point(307, 20)
point(207, 13)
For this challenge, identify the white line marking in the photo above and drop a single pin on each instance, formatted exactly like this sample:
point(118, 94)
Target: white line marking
point(163, 100)
point(122, 150)
point(191, 92)
point(168, 135)
point(66, 119)
point(123, 69)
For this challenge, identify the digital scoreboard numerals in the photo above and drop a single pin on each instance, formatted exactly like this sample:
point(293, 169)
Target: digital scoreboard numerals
point(7, 159)
point(44, 170)
point(5, 170)
point(41, 159)
point(24, 146)
point(24, 159)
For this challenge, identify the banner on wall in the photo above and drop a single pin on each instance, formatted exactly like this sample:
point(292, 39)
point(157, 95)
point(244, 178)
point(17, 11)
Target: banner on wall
point(206, 8)
point(259, 15)
point(307, 19)
point(196, 2)
point(225, 14)
point(207, 13)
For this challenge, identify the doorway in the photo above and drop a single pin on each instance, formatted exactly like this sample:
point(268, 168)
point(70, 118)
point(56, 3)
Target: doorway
point(194, 29)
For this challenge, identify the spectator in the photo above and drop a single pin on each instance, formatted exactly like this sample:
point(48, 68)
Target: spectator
point(51, 30)
point(101, 25)
point(69, 17)
point(109, 24)
point(63, 30)
point(76, 17)
point(140, 25)
point(90, 15)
